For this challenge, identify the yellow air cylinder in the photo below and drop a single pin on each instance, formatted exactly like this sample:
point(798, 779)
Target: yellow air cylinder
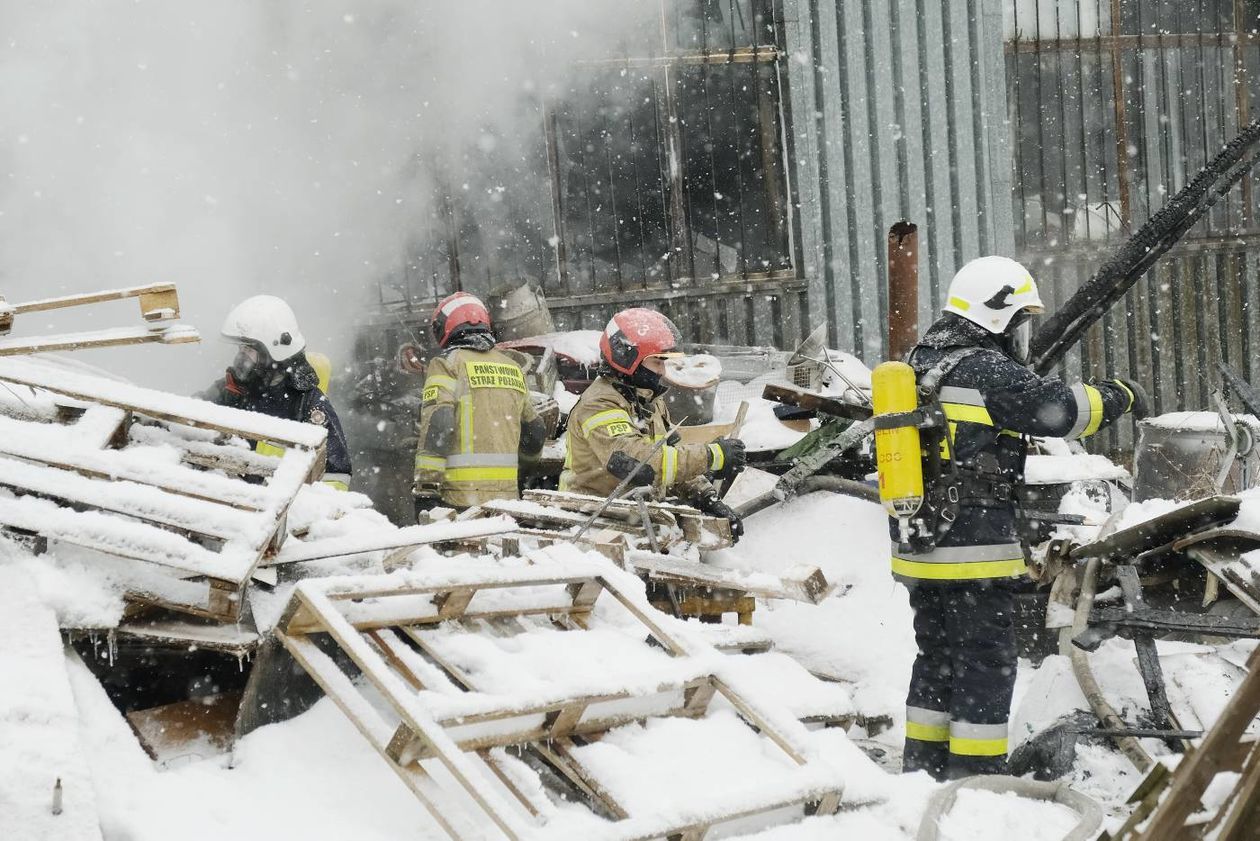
point(897, 449)
point(323, 368)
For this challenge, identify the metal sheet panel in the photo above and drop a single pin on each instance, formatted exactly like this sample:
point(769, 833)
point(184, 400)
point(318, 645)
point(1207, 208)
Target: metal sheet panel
point(909, 105)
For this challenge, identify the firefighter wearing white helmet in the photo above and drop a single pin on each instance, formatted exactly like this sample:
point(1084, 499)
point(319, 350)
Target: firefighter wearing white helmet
point(272, 375)
point(964, 559)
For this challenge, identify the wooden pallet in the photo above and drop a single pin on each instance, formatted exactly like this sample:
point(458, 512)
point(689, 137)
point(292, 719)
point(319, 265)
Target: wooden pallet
point(559, 510)
point(442, 728)
point(163, 486)
point(159, 304)
point(1170, 803)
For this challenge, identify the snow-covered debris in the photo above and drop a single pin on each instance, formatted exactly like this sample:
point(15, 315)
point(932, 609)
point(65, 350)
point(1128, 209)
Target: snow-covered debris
point(39, 722)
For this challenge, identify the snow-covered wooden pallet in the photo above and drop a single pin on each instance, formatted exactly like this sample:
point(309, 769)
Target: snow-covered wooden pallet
point(453, 668)
point(162, 485)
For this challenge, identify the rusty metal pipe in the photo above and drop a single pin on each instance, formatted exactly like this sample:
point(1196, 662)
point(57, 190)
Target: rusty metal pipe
point(903, 289)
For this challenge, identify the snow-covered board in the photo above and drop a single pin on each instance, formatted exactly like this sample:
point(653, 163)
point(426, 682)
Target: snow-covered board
point(473, 657)
point(143, 477)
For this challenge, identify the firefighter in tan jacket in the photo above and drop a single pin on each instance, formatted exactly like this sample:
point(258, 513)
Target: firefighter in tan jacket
point(620, 419)
point(477, 424)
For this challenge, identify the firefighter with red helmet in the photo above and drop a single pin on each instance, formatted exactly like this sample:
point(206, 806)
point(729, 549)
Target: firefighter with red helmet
point(617, 423)
point(477, 423)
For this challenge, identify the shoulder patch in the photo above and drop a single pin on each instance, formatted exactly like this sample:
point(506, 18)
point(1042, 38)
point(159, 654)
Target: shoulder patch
point(318, 416)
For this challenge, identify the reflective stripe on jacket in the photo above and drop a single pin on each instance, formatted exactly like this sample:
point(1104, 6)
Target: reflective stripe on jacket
point(477, 459)
point(604, 422)
point(992, 403)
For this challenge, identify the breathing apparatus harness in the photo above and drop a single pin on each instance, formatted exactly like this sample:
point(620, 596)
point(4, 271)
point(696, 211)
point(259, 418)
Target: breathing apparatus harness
point(919, 487)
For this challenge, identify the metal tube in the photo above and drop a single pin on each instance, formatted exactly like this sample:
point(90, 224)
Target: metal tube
point(903, 289)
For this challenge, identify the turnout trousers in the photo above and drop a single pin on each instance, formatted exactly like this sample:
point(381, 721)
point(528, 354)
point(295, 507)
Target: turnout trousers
point(963, 677)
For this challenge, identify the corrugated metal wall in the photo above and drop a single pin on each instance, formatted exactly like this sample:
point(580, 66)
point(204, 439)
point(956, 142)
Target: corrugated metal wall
point(899, 112)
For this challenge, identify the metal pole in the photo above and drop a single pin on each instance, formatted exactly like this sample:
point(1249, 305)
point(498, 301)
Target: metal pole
point(903, 289)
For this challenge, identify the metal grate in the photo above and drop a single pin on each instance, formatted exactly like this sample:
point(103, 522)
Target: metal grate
point(661, 172)
point(1114, 105)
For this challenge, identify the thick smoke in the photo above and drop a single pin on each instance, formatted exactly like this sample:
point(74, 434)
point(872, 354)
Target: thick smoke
point(239, 147)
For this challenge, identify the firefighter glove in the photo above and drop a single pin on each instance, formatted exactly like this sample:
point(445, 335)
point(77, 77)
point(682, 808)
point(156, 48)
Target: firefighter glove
point(715, 507)
point(1139, 402)
point(727, 458)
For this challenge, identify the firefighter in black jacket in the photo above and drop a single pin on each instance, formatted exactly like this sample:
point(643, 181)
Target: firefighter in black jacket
point(272, 375)
point(974, 360)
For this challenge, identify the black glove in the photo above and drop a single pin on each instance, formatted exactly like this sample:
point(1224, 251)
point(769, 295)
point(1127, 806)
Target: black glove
point(425, 503)
point(1139, 403)
point(727, 457)
point(715, 507)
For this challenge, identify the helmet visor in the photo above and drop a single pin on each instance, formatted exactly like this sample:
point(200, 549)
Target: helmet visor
point(1019, 337)
point(248, 363)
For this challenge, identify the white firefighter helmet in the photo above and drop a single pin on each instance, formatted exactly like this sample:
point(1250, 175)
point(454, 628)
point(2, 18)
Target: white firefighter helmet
point(990, 291)
point(268, 323)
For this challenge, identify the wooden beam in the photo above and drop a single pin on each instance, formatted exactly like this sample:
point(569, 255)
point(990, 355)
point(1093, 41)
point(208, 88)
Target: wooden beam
point(1204, 762)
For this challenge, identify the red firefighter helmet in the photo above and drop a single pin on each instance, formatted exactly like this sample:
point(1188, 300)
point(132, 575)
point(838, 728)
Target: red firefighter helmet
point(635, 334)
point(455, 311)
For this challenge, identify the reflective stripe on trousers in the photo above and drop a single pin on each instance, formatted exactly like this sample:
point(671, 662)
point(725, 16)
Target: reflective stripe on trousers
point(966, 739)
point(338, 481)
point(927, 725)
point(959, 563)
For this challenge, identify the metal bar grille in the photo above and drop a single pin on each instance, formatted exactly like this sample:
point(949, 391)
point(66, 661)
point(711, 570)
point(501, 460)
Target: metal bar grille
point(1114, 105)
point(665, 168)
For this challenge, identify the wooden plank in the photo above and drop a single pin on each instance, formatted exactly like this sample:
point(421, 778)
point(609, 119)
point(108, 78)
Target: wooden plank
point(118, 337)
point(156, 290)
point(386, 541)
point(376, 672)
point(97, 531)
point(107, 465)
point(191, 517)
point(162, 406)
point(496, 768)
point(385, 644)
point(1162, 530)
point(559, 755)
point(369, 723)
point(750, 715)
point(825, 404)
point(1243, 812)
point(1200, 767)
point(808, 586)
point(229, 639)
point(452, 605)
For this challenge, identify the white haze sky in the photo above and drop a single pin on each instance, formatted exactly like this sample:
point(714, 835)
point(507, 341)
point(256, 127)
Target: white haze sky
point(238, 148)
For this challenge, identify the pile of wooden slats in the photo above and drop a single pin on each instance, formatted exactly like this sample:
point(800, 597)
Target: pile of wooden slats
point(386, 651)
point(165, 484)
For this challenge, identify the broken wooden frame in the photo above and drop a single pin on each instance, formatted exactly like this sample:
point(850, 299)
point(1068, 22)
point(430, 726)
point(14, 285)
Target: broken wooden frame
point(568, 509)
point(1167, 799)
point(197, 521)
point(447, 759)
point(159, 303)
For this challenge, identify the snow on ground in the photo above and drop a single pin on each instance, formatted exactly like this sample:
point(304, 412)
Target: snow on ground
point(313, 777)
point(989, 816)
point(39, 739)
point(316, 777)
point(864, 635)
